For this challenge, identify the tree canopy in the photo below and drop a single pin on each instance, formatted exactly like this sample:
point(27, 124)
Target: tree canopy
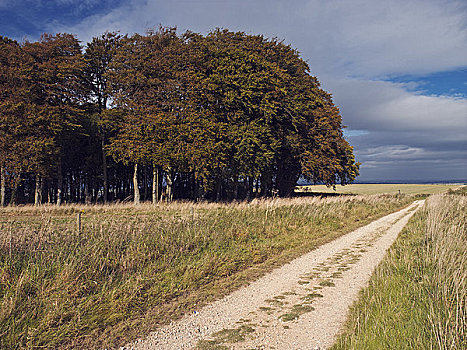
point(221, 116)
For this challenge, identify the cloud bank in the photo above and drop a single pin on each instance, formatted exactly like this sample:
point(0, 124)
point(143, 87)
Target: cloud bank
point(361, 38)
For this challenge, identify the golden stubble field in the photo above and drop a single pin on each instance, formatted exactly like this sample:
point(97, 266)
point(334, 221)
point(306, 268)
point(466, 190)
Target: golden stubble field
point(365, 189)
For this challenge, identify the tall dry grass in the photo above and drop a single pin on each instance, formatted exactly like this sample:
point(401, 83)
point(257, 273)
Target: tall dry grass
point(129, 268)
point(446, 259)
point(418, 295)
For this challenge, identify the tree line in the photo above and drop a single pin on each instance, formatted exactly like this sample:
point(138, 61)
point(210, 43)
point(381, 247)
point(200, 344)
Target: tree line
point(222, 116)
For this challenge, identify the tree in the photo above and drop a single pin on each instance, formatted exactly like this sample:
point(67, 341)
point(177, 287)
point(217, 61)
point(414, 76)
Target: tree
point(222, 116)
point(14, 90)
point(98, 57)
point(58, 95)
point(233, 86)
point(149, 83)
point(262, 117)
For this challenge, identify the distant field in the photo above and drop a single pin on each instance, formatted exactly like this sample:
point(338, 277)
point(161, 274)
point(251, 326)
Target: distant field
point(379, 188)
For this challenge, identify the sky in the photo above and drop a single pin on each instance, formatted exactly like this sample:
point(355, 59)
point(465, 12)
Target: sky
point(397, 69)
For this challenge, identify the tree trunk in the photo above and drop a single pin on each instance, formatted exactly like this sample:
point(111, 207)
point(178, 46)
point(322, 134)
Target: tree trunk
point(145, 182)
point(266, 184)
point(38, 191)
point(194, 186)
point(170, 182)
point(249, 189)
point(59, 184)
point(104, 170)
point(287, 175)
point(235, 192)
point(79, 188)
point(201, 189)
point(218, 189)
point(135, 185)
point(14, 192)
point(155, 184)
point(87, 191)
point(49, 192)
point(2, 186)
point(72, 185)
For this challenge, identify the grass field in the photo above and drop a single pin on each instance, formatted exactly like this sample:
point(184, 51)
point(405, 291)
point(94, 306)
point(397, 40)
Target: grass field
point(364, 189)
point(130, 268)
point(418, 295)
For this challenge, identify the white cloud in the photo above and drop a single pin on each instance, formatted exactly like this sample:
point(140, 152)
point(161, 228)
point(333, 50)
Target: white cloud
point(378, 38)
point(408, 153)
point(386, 106)
point(410, 136)
point(349, 46)
point(394, 151)
point(363, 38)
point(129, 18)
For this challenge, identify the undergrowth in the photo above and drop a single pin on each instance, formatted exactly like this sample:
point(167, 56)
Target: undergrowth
point(417, 297)
point(128, 269)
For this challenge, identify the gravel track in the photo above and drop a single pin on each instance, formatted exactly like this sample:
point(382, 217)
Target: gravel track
point(301, 305)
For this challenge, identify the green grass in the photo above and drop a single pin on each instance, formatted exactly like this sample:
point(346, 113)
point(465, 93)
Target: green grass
point(418, 295)
point(227, 335)
point(134, 268)
point(326, 283)
point(296, 312)
point(311, 296)
point(365, 189)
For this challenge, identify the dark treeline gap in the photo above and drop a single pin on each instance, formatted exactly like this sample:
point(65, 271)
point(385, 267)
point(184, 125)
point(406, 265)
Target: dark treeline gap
point(163, 116)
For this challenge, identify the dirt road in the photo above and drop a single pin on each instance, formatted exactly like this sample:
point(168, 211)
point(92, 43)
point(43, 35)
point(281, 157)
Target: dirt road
point(301, 305)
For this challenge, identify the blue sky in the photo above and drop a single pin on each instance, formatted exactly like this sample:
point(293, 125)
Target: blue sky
point(30, 18)
point(397, 69)
point(450, 83)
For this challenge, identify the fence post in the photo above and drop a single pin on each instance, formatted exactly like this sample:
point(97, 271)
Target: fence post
point(78, 223)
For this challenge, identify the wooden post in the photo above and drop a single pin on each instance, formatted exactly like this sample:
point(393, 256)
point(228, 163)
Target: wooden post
point(11, 238)
point(2, 185)
point(78, 223)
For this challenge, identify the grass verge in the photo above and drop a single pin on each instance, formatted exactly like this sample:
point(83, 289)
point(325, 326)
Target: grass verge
point(130, 269)
point(417, 296)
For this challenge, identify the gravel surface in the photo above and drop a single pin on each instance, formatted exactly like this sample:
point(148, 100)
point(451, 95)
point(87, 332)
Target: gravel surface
point(301, 305)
